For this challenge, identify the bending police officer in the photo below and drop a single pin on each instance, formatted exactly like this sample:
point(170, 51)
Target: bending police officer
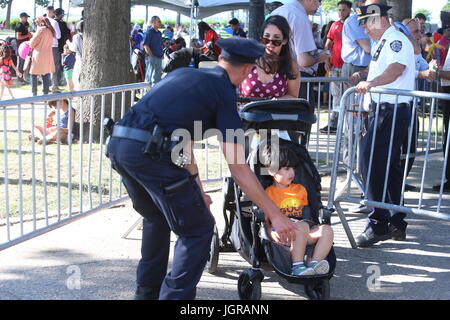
point(165, 189)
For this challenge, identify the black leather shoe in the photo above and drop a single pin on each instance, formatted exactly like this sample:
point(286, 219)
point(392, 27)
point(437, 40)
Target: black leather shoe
point(446, 187)
point(146, 293)
point(409, 187)
point(369, 238)
point(397, 234)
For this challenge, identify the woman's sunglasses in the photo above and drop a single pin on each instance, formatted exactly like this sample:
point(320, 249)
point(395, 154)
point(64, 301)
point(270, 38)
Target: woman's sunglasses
point(275, 42)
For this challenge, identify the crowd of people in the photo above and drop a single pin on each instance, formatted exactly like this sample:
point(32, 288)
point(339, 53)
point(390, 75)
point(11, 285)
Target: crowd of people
point(49, 50)
point(367, 47)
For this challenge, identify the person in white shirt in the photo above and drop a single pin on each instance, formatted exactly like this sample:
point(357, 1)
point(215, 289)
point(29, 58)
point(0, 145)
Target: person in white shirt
point(302, 41)
point(56, 76)
point(392, 67)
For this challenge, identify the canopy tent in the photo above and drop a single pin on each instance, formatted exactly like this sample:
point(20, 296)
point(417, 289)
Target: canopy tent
point(203, 8)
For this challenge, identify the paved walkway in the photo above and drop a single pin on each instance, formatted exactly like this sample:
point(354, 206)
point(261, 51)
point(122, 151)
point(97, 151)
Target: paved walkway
point(88, 259)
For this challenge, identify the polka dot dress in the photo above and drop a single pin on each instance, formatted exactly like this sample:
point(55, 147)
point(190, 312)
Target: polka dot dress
point(253, 87)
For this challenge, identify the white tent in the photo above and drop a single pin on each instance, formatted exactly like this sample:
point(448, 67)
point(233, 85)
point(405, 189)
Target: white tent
point(201, 8)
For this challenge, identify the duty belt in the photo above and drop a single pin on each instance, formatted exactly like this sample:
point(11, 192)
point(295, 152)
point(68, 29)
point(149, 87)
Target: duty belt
point(156, 141)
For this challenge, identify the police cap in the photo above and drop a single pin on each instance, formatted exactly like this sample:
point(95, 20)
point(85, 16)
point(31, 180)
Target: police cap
point(371, 11)
point(241, 50)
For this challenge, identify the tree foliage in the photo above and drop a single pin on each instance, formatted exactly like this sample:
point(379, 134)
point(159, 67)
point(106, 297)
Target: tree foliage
point(446, 7)
point(43, 3)
point(426, 12)
point(329, 5)
point(5, 3)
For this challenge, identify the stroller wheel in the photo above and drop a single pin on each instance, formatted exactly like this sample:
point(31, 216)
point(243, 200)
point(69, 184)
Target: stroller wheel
point(319, 291)
point(249, 285)
point(214, 252)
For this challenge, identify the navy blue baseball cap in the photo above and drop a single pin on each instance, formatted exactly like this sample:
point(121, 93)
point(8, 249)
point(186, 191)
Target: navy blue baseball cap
point(241, 50)
point(372, 11)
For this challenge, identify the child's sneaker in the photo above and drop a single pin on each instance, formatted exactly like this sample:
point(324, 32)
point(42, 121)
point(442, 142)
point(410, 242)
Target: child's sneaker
point(302, 270)
point(321, 267)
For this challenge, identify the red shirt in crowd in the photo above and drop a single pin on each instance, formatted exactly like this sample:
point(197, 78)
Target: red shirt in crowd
point(444, 42)
point(335, 34)
point(211, 35)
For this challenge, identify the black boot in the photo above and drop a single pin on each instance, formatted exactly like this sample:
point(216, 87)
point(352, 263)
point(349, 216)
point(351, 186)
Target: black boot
point(146, 293)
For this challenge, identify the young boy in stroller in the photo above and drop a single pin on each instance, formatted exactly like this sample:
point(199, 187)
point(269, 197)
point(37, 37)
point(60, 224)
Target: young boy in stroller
point(292, 199)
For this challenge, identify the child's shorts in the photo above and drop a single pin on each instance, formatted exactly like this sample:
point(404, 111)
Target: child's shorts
point(68, 74)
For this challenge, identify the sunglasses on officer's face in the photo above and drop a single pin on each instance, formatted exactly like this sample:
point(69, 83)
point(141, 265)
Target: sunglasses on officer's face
point(275, 42)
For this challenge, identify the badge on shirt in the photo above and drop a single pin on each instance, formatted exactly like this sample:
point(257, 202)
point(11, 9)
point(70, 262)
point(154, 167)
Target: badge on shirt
point(396, 46)
point(377, 53)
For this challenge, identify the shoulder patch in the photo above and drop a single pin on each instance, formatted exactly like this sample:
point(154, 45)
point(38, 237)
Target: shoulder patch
point(396, 46)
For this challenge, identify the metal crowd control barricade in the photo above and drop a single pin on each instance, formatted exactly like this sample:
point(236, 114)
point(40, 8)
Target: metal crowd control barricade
point(427, 203)
point(46, 186)
point(321, 145)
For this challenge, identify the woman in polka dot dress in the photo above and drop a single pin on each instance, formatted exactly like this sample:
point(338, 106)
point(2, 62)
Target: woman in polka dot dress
point(275, 75)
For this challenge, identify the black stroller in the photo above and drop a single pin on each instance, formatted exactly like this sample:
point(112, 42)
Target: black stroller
point(244, 222)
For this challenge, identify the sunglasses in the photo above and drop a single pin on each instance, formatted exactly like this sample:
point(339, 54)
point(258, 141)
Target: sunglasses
point(275, 42)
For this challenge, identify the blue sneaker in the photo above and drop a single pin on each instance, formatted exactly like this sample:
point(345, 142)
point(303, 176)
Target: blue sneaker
point(302, 270)
point(321, 267)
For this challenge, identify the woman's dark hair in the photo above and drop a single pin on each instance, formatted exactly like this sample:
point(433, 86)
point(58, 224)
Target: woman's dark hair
point(272, 64)
point(202, 28)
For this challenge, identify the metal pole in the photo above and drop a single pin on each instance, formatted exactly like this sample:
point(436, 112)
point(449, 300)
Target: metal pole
point(256, 17)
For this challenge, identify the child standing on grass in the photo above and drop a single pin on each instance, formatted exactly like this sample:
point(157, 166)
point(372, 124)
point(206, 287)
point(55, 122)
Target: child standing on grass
point(5, 68)
point(292, 199)
point(68, 62)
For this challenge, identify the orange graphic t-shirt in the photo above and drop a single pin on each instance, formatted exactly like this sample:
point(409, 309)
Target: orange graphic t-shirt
point(290, 200)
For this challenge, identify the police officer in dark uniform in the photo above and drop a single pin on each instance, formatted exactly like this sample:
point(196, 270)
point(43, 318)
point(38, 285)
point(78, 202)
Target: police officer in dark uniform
point(163, 182)
point(392, 67)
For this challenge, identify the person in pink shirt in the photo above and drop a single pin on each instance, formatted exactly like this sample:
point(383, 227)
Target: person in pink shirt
point(334, 65)
point(275, 75)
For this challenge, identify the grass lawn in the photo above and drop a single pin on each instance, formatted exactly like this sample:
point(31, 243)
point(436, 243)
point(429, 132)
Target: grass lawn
point(90, 185)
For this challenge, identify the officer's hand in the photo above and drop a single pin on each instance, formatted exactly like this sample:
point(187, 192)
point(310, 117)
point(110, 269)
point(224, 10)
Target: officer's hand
point(207, 199)
point(363, 87)
point(355, 78)
point(284, 229)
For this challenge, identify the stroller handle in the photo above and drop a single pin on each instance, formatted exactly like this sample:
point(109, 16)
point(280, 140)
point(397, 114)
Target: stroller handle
point(268, 116)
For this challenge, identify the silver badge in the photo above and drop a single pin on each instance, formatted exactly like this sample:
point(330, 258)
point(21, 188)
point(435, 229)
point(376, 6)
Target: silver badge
point(396, 46)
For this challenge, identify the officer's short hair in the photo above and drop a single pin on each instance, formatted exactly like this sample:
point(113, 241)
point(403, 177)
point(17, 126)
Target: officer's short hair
point(234, 63)
point(346, 2)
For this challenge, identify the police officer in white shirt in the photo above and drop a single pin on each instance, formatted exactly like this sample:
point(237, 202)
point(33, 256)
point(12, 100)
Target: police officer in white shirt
point(392, 67)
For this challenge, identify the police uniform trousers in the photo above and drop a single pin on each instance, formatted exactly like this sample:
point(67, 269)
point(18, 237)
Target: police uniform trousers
point(379, 219)
point(182, 211)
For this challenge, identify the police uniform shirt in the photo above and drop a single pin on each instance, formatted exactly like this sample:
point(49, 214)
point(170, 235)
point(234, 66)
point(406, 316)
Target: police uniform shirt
point(185, 96)
point(393, 47)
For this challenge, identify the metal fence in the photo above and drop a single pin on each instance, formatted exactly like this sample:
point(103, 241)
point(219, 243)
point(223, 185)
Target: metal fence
point(48, 185)
point(428, 157)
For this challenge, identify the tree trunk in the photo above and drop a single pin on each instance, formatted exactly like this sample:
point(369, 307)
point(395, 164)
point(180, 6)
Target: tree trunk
point(401, 9)
point(8, 14)
point(256, 18)
point(106, 55)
